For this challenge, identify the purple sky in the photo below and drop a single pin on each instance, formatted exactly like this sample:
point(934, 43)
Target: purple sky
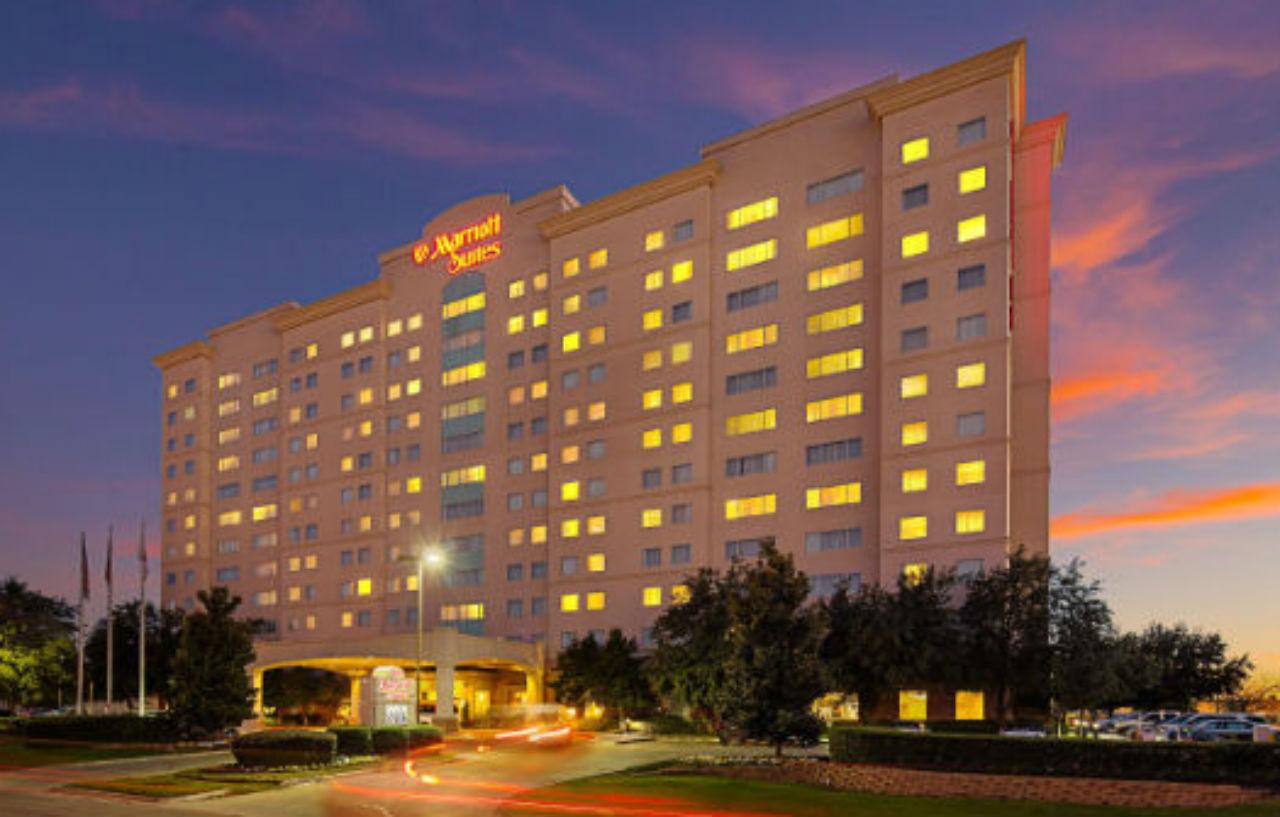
point(169, 166)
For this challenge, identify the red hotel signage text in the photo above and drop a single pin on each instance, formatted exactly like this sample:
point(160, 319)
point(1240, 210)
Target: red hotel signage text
point(469, 247)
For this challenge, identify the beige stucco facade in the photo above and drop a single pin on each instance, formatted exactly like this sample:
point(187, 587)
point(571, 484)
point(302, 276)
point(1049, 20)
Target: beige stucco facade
point(750, 332)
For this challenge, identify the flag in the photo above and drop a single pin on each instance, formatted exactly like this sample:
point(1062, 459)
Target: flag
point(142, 550)
point(84, 570)
point(107, 573)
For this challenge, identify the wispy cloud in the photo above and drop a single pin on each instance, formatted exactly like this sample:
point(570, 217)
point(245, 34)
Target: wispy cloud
point(1173, 509)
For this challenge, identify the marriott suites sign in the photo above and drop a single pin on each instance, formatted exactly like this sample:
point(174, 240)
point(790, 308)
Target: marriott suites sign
point(469, 247)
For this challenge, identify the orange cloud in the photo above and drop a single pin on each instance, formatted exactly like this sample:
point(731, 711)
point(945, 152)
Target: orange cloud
point(1090, 393)
point(1175, 509)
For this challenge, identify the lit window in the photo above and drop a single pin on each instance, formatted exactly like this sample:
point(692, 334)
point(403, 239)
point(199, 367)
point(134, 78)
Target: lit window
point(366, 334)
point(969, 705)
point(654, 240)
point(651, 438)
point(751, 213)
point(746, 506)
point(571, 267)
point(538, 534)
point(228, 463)
point(835, 275)
point(679, 593)
point(569, 454)
point(915, 480)
point(395, 328)
point(538, 462)
point(751, 422)
point(651, 518)
point(364, 587)
point(597, 410)
point(829, 496)
point(971, 521)
point(463, 306)
point(681, 352)
point(571, 416)
point(681, 393)
point(652, 319)
point(348, 339)
point(913, 527)
point(834, 319)
point(313, 349)
point(515, 537)
point(973, 179)
point(651, 597)
point(971, 229)
point(914, 385)
point(833, 363)
point(570, 528)
point(571, 342)
point(598, 258)
point(915, 150)
point(915, 244)
point(595, 600)
point(515, 395)
point(596, 335)
point(972, 472)
point(831, 408)
point(227, 518)
point(749, 339)
point(568, 602)
point(571, 304)
point(537, 390)
point(347, 618)
point(971, 375)
point(681, 271)
point(263, 512)
point(915, 433)
point(595, 526)
point(651, 360)
point(653, 280)
point(681, 433)
point(539, 317)
point(540, 281)
point(570, 491)
point(464, 374)
point(751, 255)
point(651, 399)
point(595, 563)
point(413, 354)
point(830, 232)
point(515, 289)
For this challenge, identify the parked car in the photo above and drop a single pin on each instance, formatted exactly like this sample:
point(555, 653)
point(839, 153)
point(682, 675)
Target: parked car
point(1218, 730)
point(1181, 728)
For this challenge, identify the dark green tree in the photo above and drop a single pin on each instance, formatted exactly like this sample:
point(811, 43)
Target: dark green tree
point(1082, 636)
point(37, 646)
point(1173, 667)
point(771, 673)
point(210, 688)
point(164, 629)
point(1005, 616)
point(611, 675)
point(315, 694)
point(691, 649)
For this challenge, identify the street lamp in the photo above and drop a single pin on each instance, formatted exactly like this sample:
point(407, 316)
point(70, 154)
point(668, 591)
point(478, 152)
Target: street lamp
point(428, 557)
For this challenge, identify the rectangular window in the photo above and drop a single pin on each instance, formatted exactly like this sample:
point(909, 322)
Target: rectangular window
point(651, 518)
point(654, 240)
point(751, 255)
point(831, 408)
point(751, 422)
point(971, 521)
point(681, 271)
point(598, 258)
point(913, 385)
point(971, 277)
point(847, 360)
point(830, 496)
point(913, 527)
point(971, 326)
point(834, 319)
point(971, 472)
point(840, 539)
point(971, 375)
point(650, 319)
point(747, 506)
point(755, 338)
point(973, 179)
point(762, 463)
point(917, 290)
point(972, 131)
point(971, 229)
point(914, 339)
point(829, 232)
point(753, 380)
point(915, 480)
point(845, 183)
point(751, 213)
point(916, 433)
point(752, 296)
point(682, 231)
point(834, 275)
point(913, 197)
point(651, 557)
point(681, 554)
point(915, 150)
point(834, 451)
point(914, 244)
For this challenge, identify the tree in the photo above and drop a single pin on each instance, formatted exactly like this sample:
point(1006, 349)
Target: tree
point(1173, 667)
point(1082, 637)
point(37, 647)
point(1005, 616)
point(210, 689)
point(164, 629)
point(610, 675)
point(314, 693)
point(771, 675)
point(692, 648)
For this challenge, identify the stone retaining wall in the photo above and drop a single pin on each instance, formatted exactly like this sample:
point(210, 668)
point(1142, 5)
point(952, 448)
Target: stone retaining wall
point(921, 783)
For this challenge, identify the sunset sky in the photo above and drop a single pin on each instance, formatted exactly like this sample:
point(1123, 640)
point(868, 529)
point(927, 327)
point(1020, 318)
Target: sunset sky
point(166, 167)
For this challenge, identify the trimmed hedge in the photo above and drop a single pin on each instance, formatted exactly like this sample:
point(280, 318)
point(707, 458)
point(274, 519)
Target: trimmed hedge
point(399, 739)
point(284, 747)
point(667, 724)
point(105, 728)
point(353, 740)
point(1248, 764)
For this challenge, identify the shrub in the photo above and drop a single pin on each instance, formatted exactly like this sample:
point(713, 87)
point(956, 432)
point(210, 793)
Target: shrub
point(398, 739)
point(1246, 764)
point(105, 728)
point(423, 735)
point(353, 740)
point(676, 725)
point(284, 747)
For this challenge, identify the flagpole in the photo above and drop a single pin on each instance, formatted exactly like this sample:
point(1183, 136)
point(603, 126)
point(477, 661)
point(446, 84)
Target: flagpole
point(84, 593)
point(142, 618)
point(111, 621)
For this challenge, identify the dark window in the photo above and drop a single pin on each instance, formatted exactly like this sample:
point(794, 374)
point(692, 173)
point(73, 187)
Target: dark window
point(537, 570)
point(681, 554)
point(598, 296)
point(538, 354)
point(595, 449)
point(833, 451)
point(515, 359)
point(971, 326)
point(651, 557)
point(742, 548)
point(762, 463)
point(971, 425)
point(913, 340)
point(515, 572)
point(570, 379)
point(752, 296)
point(515, 608)
point(596, 373)
point(682, 473)
point(916, 290)
point(681, 514)
point(366, 366)
point(850, 182)
point(515, 431)
point(832, 539)
point(538, 426)
point(651, 478)
point(682, 312)
point(914, 197)
point(971, 277)
point(972, 131)
point(538, 605)
point(682, 231)
point(750, 381)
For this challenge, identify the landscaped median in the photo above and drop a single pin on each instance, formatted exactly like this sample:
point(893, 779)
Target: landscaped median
point(272, 758)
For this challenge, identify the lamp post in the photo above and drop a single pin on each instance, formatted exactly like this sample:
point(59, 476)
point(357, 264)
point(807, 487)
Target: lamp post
point(432, 557)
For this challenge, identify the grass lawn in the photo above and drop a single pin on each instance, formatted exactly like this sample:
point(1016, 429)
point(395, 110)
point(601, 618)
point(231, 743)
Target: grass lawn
point(15, 753)
point(725, 795)
point(227, 779)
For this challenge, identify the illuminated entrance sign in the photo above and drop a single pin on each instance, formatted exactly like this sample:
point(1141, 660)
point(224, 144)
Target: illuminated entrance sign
point(469, 247)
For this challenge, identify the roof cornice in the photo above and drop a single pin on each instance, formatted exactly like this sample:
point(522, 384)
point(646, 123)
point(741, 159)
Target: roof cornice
point(190, 351)
point(1051, 128)
point(1006, 60)
point(680, 181)
point(375, 290)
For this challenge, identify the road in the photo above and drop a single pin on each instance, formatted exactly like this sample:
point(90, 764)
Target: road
point(474, 777)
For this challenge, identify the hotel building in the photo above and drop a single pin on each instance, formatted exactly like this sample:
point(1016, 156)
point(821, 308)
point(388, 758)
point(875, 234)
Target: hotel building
point(831, 330)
